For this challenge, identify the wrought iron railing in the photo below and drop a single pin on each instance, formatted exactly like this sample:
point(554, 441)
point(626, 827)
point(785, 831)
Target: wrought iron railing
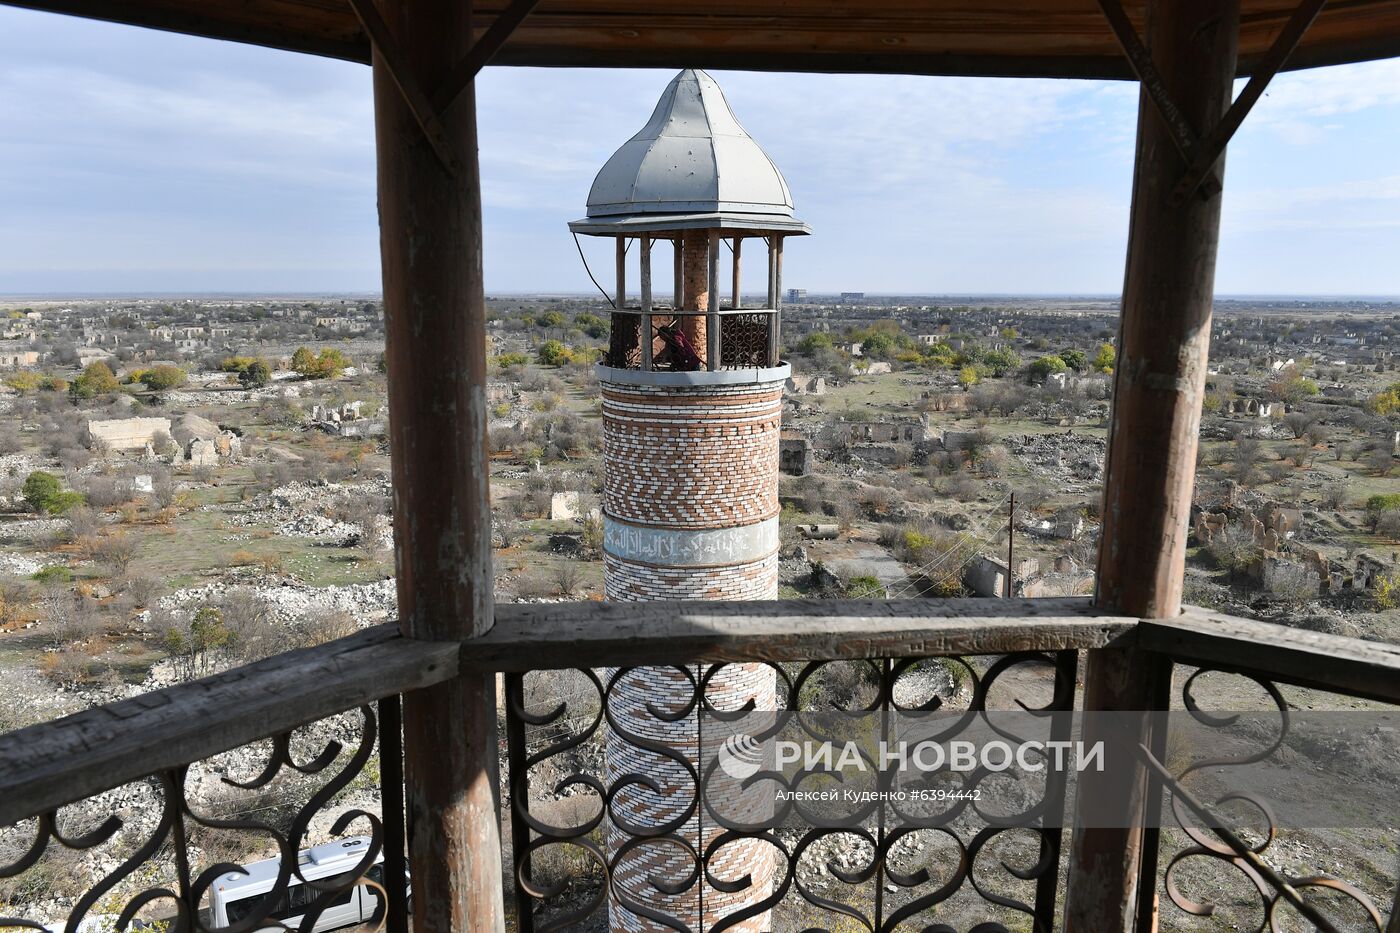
point(745, 339)
point(324, 723)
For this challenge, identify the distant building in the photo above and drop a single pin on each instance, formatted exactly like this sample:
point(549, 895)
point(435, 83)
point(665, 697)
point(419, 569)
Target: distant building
point(794, 295)
point(849, 297)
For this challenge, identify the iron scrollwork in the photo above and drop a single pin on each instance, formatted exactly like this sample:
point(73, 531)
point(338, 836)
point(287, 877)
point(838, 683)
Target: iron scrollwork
point(1216, 842)
point(879, 893)
point(182, 895)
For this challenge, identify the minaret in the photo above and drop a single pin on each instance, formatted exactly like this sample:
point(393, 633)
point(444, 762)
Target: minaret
point(692, 409)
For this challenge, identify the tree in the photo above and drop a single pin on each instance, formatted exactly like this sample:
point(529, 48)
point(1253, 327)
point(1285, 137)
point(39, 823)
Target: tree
point(1074, 359)
point(554, 353)
point(1105, 359)
point(46, 495)
point(1001, 362)
point(968, 376)
point(97, 379)
point(255, 375)
point(1046, 365)
point(162, 378)
point(550, 319)
point(1248, 455)
point(328, 364)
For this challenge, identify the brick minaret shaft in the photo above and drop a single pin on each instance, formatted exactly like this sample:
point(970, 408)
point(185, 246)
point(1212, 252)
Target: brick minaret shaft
point(690, 506)
point(695, 291)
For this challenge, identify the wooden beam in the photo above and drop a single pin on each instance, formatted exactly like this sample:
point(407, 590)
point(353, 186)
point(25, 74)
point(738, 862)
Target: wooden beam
point(1182, 133)
point(483, 50)
point(394, 62)
point(1164, 337)
point(434, 309)
point(1213, 146)
point(545, 636)
point(69, 759)
point(1348, 666)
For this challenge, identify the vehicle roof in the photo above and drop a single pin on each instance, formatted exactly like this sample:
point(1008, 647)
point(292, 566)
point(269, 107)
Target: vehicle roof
point(316, 862)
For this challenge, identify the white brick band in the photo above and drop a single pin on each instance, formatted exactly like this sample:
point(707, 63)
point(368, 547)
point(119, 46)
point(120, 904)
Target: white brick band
point(671, 547)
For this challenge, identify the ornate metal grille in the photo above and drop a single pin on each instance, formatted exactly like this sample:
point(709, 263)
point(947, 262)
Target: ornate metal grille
point(744, 341)
point(1213, 849)
point(166, 837)
point(1000, 872)
point(624, 347)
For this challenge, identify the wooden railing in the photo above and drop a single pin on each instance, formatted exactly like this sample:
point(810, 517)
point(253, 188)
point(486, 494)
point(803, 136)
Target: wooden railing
point(156, 737)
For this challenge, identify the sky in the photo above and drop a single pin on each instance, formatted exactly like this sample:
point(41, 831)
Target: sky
point(139, 161)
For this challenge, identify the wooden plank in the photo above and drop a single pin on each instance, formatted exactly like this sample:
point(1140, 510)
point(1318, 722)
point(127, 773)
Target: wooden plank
point(59, 762)
point(1317, 660)
point(435, 322)
point(1012, 38)
point(593, 634)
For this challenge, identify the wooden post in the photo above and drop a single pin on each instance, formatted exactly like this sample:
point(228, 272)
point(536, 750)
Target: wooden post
point(644, 321)
point(430, 244)
point(621, 299)
point(1160, 377)
point(735, 302)
point(775, 284)
point(712, 322)
point(679, 273)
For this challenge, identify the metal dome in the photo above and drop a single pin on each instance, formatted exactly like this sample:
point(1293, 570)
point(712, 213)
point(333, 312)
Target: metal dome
point(691, 166)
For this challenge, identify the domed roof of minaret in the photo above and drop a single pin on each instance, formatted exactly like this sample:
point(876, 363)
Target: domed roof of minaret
point(692, 165)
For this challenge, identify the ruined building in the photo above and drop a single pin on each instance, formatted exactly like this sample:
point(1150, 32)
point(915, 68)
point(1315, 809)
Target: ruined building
point(692, 409)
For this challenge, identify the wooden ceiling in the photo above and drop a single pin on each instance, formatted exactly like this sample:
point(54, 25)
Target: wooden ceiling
point(1021, 38)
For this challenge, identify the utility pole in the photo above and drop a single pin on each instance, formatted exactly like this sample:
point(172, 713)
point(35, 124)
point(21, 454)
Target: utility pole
point(1010, 546)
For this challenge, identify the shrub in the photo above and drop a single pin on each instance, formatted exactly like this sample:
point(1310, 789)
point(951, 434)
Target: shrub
point(1047, 365)
point(97, 379)
point(554, 353)
point(328, 364)
point(53, 574)
point(46, 495)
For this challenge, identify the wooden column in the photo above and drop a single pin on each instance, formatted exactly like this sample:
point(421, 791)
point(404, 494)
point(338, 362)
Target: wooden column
point(621, 299)
point(736, 302)
point(1163, 341)
point(644, 325)
point(430, 243)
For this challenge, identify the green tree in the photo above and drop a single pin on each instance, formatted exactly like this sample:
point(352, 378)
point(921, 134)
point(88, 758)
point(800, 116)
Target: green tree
point(554, 353)
point(1105, 358)
point(550, 319)
point(1001, 362)
point(327, 364)
point(256, 373)
point(46, 495)
point(162, 378)
point(97, 379)
point(1074, 359)
point(1046, 365)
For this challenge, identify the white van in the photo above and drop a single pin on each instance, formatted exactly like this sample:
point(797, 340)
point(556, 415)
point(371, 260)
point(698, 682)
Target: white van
point(238, 896)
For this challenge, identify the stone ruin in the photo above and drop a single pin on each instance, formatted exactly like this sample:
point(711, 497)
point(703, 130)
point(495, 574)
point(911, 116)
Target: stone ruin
point(347, 420)
point(1250, 408)
point(794, 454)
point(201, 442)
point(806, 385)
point(1285, 563)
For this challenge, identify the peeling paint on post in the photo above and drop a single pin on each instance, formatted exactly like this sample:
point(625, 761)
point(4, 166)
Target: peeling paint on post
point(1163, 341)
point(430, 242)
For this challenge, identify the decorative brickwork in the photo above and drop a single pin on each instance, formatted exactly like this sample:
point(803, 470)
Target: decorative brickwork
point(690, 504)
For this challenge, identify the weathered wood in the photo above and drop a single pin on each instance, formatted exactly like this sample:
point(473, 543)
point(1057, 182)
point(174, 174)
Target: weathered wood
point(59, 762)
point(644, 325)
point(1016, 38)
point(1164, 337)
point(620, 301)
point(736, 302)
point(1350, 666)
point(562, 635)
point(434, 309)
